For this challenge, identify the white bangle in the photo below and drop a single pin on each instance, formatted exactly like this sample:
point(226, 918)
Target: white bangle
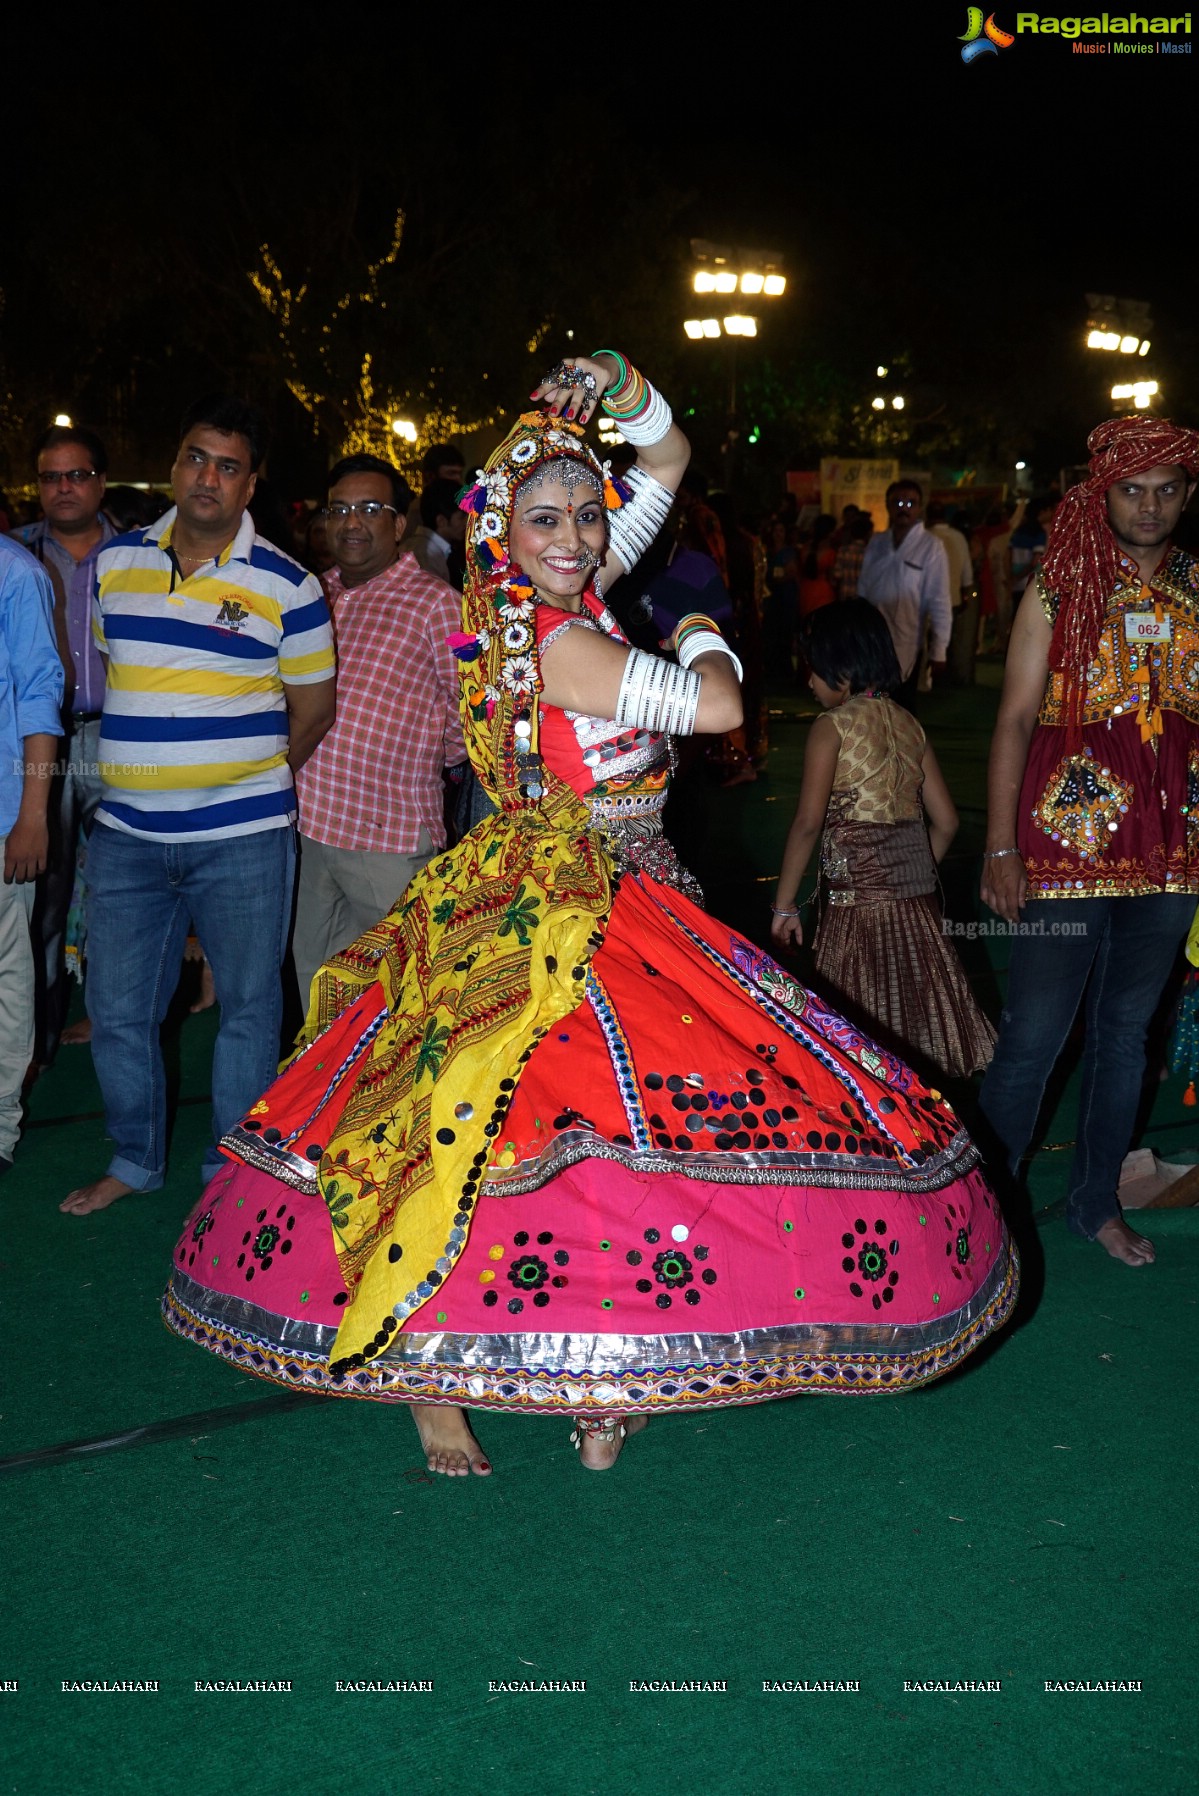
point(633, 528)
point(707, 642)
point(653, 424)
point(656, 695)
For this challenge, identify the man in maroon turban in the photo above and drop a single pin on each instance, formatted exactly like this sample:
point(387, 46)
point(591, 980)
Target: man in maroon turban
point(1093, 804)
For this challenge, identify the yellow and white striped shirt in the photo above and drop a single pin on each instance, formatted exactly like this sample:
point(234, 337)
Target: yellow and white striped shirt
point(193, 742)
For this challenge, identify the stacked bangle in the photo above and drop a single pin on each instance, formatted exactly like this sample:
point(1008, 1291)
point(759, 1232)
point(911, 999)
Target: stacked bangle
point(633, 528)
point(620, 363)
point(775, 911)
point(630, 396)
point(691, 624)
point(702, 639)
point(997, 854)
point(654, 695)
point(642, 413)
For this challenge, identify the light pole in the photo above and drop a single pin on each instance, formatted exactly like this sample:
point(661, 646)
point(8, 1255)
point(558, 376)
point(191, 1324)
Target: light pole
point(1122, 327)
point(888, 400)
point(1139, 393)
point(723, 270)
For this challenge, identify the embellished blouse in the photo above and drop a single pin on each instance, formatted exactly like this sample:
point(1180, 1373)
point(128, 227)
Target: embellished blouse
point(622, 774)
point(879, 774)
point(1117, 813)
point(875, 846)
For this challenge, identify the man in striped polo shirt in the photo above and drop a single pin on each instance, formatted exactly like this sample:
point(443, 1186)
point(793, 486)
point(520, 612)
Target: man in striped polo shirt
point(220, 672)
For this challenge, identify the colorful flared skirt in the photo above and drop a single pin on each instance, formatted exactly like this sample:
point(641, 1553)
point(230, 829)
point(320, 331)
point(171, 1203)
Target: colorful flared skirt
point(707, 1189)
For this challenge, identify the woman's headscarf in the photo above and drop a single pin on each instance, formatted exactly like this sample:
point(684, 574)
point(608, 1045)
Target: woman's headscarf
point(498, 644)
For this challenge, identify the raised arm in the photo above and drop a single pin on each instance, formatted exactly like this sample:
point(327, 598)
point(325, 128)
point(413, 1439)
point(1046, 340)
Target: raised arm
point(1004, 885)
point(573, 390)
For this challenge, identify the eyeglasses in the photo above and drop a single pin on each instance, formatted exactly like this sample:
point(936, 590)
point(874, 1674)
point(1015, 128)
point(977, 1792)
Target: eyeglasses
point(906, 504)
point(76, 476)
point(366, 508)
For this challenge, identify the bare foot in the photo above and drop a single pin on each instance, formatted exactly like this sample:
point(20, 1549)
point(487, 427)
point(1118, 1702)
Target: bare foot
point(207, 997)
point(600, 1450)
point(75, 1035)
point(98, 1196)
point(1125, 1244)
point(449, 1445)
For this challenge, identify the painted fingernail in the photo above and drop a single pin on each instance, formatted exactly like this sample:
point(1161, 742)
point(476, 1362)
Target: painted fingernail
point(533, 394)
point(570, 412)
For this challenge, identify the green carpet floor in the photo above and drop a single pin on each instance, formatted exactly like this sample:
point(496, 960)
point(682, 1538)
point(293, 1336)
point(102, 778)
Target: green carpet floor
point(1024, 1521)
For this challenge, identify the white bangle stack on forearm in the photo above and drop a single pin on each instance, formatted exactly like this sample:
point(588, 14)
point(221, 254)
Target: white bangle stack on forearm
point(653, 424)
point(633, 528)
point(707, 642)
point(655, 695)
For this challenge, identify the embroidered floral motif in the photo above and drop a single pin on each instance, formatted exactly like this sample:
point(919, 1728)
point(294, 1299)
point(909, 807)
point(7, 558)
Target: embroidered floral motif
point(528, 1273)
point(868, 1259)
point(432, 1049)
point(1082, 804)
point(264, 1243)
point(518, 674)
point(1190, 809)
point(521, 916)
point(673, 1269)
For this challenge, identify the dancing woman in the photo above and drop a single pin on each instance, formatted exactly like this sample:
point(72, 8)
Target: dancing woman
point(559, 1142)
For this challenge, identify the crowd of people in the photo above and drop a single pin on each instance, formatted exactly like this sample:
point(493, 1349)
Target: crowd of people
point(961, 606)
point(421, 745)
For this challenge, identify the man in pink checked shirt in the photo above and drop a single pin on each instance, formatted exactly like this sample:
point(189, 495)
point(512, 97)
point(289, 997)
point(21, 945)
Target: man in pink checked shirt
point(371, 797)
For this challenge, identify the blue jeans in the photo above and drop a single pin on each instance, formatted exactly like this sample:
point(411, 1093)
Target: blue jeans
point(1126, 949)
point(237, 894)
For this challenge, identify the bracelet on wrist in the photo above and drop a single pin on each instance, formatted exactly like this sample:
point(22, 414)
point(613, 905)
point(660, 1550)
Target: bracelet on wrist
point(623, 377)
point(997, 854)
point(691, 624)
point(783, 913)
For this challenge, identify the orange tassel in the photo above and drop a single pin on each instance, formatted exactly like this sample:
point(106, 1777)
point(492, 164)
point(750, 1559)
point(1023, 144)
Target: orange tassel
point(1188, 1096)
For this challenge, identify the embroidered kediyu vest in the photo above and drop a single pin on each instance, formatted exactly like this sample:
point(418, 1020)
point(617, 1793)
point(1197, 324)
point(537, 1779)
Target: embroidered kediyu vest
point(1117, 812)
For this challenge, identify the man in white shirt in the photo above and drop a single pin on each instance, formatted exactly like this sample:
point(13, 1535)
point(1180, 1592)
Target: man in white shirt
point(962, 592)
point(905, 572)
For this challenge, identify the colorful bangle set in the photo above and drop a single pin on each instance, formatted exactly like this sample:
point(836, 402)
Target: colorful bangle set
point(632, 394)
point(694, 624)
point(697, 635)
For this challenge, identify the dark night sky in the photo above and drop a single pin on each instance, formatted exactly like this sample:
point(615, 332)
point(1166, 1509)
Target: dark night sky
point(958, 211)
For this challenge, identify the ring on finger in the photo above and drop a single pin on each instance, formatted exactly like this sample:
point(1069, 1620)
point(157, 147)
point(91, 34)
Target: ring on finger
point(566, 374)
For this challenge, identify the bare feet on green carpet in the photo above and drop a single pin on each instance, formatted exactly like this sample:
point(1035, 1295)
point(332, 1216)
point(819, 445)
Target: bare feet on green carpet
point(1125, 1244)
point(449, 1445)
point(597, 1451)
point(76, 1034)
point(98, 1196)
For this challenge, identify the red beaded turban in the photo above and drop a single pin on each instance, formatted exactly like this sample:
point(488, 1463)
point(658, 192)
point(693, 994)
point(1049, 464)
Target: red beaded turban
point(1082, 560)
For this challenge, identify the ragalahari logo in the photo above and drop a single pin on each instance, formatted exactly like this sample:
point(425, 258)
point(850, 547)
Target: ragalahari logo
point(983, 37)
